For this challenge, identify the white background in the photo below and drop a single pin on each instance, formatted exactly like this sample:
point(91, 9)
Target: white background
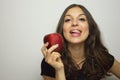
point(23, 23)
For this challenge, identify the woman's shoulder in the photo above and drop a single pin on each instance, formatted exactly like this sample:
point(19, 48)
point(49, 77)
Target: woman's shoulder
point(115, 69)
point(107, 60)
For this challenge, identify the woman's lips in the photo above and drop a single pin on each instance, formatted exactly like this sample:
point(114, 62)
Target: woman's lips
point(75, 33)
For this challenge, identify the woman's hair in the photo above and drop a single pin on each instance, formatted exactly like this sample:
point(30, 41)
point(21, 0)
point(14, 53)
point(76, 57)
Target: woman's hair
point(96, 63)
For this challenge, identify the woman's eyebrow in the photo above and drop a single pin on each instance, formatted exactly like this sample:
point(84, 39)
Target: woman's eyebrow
point(81, 14)
point(71, 15)
point(68, 15)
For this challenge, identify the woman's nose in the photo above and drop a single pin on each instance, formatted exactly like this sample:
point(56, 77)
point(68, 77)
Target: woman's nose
point(74, 23)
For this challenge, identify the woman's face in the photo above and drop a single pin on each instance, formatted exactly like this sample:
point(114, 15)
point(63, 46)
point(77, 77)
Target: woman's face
point(75, 27)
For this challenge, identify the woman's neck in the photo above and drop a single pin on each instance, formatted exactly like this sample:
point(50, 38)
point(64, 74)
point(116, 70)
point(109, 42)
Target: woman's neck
point(77, 51)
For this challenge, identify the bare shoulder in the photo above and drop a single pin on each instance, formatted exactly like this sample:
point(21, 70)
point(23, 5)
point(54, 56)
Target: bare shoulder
point(115, 69)
point(48, 78)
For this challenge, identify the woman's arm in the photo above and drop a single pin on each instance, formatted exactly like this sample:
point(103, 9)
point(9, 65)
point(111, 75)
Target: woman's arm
point(115, 69)
point(48, 78)
point(60, 74)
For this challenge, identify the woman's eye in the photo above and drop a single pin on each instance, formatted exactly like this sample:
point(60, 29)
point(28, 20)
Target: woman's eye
point(67, 20)
point(82, 19)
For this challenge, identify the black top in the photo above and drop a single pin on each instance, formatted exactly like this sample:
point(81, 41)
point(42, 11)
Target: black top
point(48, 70)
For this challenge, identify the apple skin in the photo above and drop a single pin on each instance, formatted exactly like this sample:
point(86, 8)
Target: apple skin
point(52, 39)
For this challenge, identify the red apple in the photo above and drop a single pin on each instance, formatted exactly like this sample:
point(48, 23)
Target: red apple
point(52, 39)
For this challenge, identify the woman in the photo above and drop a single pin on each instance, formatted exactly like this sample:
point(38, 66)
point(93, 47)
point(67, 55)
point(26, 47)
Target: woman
point(84, 56)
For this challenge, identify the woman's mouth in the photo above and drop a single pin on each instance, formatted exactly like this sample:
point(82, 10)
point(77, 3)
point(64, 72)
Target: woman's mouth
point(75, 33)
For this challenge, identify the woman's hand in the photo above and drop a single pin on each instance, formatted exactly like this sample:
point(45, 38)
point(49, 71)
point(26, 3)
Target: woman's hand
point(51, 57)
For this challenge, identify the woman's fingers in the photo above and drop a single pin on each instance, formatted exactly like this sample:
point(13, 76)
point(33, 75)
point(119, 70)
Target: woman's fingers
point(50, 52)
point(44, 49)
point(53, 58)
point(51, 49)
point(46, 52)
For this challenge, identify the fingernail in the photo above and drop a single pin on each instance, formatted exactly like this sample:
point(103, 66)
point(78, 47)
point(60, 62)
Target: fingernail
point(56, 45)
point(47, 43)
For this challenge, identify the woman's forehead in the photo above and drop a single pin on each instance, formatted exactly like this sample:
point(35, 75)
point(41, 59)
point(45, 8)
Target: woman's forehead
point(75, 10)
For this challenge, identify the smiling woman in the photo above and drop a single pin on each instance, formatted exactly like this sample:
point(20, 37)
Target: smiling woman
point(84, 57)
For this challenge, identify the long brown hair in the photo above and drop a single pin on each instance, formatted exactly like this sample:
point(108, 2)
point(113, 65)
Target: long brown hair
point(96, 63)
